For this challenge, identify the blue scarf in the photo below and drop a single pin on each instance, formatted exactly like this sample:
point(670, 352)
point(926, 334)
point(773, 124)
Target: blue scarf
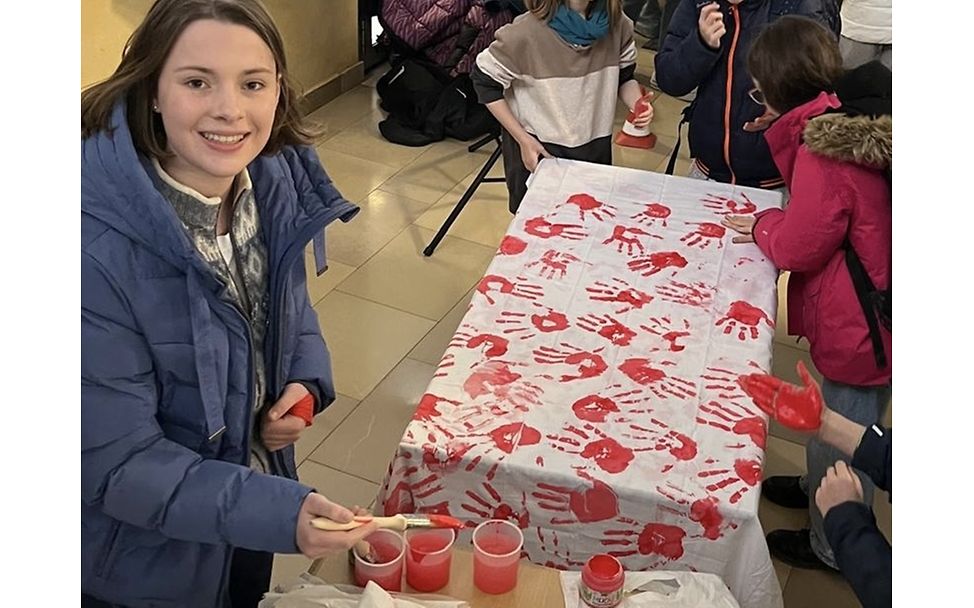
point(575, 29)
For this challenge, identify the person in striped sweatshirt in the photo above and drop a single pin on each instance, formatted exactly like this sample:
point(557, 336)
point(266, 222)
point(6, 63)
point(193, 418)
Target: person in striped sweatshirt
point(551, 78)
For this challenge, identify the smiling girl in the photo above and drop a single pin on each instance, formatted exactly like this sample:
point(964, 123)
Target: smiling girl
point(202, 359)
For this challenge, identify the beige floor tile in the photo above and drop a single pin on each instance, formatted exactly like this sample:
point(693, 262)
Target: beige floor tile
point(324, 424)
point(781, 323)
point(484, 219)
point(818, 589)
point(401, 277)
point(682, 164)
point(782, 458)
point(363, 140)
point(383, 216)
point(366, 340)
point(437, 170)
point(374, 75)
point(354, 177)
point(339, 487)
point(431, 348)
point(783, 571)
point(287, 568)
point(366, 441)
point(783, 361)
point(319, 287)
point(644, 160)
point(345, 110)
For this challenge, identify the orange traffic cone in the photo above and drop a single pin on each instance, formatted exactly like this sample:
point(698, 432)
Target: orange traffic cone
point(632, 136)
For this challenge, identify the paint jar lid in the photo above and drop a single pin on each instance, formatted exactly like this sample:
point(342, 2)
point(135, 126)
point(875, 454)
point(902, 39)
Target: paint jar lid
point(603, 573)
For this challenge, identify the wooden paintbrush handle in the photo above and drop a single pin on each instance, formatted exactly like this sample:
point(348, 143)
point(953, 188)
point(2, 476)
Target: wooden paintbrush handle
point(396, 522)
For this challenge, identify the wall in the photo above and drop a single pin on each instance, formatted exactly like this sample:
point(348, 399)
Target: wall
point(320, 38)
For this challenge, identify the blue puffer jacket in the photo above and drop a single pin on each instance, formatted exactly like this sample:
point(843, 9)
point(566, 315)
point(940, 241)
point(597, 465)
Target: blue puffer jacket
point(167, 379)
point(718, 141)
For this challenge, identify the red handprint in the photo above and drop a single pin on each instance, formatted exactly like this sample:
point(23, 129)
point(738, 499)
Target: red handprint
point(554, 264)
point(654, 539)
point(656, 262)
point(704, 235)
point(597, 408)
point(621, 292)
point(590, 204)
point(542, 228)
point(653, 212)
point(402, 498)
point(734, 419)
point(428, 404)
point(747, 316)
point(643, 372)
point(607, 453)
point(798, 408)
point(549, 322)
point(513, 435)
point(663, 327)
point(663, 437)
point(587, 364)
point(701, 510)
point(607, 327)
point(496, 345)
point(511, 245)
point(631, 243)
point(492, 506)
point(723, 205)
point(493, 282)
point(587, 504)
point(725, 382)
point(694, 294)
point(747, 472)
point(445, 457)
point(496, 379)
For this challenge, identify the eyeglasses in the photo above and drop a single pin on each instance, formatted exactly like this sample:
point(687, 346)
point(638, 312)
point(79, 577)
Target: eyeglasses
point(757, 96)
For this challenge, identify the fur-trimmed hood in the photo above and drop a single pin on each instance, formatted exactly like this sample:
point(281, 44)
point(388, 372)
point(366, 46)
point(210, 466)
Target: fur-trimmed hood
point(863, 140)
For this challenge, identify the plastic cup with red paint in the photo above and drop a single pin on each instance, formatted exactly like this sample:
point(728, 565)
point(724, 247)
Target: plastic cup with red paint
point(429, 555)
point(385, 567)
point(496, 554)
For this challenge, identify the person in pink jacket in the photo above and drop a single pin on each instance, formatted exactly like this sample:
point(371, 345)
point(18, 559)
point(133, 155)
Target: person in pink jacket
point(832, 142)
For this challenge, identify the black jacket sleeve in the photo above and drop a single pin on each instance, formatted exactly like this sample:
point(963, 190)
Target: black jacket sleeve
point(874, 456)
point(488, 90)
point(685, 60)
point(862, 553)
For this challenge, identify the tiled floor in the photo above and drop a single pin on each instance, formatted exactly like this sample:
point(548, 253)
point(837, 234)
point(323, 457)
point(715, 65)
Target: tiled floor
point(387, 312)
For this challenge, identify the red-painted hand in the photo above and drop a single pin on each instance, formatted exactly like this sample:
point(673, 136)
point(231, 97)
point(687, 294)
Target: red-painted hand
point(796, 407)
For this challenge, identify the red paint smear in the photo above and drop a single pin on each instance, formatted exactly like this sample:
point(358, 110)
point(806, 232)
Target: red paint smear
point(688, 448)
point(589, 365)
point(639, 371)
point(594, 408)
point(748, 470)
point(747, 314)
point(705, 512)
point(617, 333)
point(426, 410)
point(662, 539)
point(515, 434)
point(584, 201)
point(551, 322)
point(672, 337)
point(444, 521)
point(498, 345)
point(753, 427)
point(657, 210)
point(511, 245)
point(657, 262)
point(711, 230)
point(608, 455)
point(490, 374)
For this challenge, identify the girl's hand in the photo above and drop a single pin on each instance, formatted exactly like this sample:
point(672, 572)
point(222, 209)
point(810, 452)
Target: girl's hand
point(531, 151)
point(743, 224)
point(840, 485)
point(278, 428)
point(644, 111)
point(711, 25)
point(315, 543)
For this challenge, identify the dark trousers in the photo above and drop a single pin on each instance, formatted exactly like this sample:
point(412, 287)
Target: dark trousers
point(516, 174)
point(250, 578)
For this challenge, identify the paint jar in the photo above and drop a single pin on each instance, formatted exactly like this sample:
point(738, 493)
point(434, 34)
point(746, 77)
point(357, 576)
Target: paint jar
point(602, 582)
point(429, 555)
point(385, 567)
point(496, 555)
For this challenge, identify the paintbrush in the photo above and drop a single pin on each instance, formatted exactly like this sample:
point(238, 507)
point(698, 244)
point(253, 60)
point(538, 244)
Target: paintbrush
point(398, 522)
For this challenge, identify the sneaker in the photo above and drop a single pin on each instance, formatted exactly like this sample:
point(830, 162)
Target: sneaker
point(785, 491)
point(794, 547)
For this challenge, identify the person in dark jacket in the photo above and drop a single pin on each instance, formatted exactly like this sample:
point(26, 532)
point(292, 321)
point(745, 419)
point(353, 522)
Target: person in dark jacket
point(706, 48)
point(833, 144)
point(202, 359)
point(863, 554)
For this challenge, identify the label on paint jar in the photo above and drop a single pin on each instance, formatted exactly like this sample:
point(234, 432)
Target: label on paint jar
point(599, 599)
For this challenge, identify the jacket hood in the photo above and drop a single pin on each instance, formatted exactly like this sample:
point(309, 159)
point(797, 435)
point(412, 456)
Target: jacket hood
point(862, 140)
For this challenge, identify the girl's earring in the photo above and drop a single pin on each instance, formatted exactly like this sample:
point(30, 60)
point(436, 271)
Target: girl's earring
point(155, 108)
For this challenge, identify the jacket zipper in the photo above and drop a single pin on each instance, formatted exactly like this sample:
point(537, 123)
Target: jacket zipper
point(730, 86)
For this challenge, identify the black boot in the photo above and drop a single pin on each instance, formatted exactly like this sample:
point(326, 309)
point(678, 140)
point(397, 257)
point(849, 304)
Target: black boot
point(785, 490)
point(794, 547)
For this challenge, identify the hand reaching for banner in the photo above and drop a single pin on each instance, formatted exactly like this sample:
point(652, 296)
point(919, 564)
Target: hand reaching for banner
point(796, 407)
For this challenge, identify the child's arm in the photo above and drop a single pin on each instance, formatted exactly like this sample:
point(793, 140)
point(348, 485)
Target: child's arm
point(685, 59)
point(531, 148)
point(629, 93)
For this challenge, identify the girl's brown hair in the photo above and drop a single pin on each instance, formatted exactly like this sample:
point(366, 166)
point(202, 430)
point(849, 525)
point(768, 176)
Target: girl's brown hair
point(545, 9)
point(137, 76)
point(793, 60)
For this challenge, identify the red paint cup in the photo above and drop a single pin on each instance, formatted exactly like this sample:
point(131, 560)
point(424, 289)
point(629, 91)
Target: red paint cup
point(388, 549)
point(602, 581)
point(496, 553)
point(429, 555)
